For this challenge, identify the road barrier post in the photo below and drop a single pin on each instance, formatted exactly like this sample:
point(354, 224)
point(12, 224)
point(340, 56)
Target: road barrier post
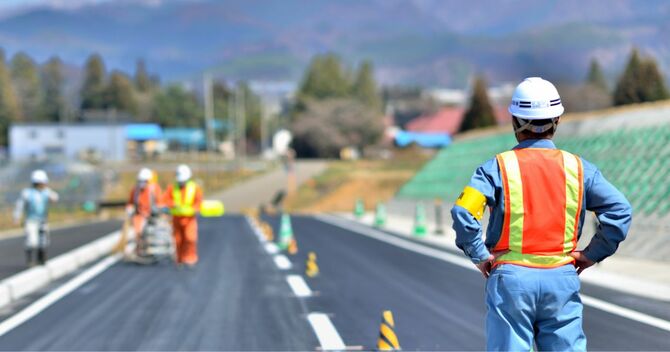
point(359, 208)
point(420, 220)
point(311, 268)
point(388, 341)
point(380, 215)
point(439, 225)
point(285, 232)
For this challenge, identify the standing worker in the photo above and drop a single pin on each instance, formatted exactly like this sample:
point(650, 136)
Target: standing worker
point(144, 200)
point(538, 197)
point(184, 198)
point(33, 207)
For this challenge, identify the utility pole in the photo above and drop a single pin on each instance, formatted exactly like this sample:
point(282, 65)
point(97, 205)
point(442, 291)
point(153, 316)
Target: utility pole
point(209, 111)
point(241, 125)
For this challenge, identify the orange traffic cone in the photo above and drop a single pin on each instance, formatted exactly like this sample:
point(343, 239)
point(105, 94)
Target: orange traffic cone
point(293, 246)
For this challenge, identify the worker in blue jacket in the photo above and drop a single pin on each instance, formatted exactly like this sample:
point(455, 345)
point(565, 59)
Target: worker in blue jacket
point(33, 207)
point(538, 196)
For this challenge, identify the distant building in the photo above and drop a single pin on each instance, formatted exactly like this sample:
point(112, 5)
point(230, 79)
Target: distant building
point(185, 138)
point(449, 119)
point(105, 141)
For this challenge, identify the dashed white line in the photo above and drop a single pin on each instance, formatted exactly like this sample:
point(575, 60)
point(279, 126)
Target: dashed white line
point(325, 331)
point(299, 286)
point(462, 262)
point(271, 248)
point(282, 262)
point(55, 295)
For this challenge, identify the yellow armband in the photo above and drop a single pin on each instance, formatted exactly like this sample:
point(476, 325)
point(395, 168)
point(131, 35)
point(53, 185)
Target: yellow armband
point(473, 201)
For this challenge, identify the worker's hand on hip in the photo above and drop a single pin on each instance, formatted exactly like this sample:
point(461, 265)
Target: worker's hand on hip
point(581, 261)
point(486, 266)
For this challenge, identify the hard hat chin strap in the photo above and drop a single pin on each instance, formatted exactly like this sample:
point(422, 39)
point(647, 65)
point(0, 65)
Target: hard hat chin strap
point(521, 125)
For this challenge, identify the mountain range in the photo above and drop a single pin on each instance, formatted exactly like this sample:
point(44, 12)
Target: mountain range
point(417, 42)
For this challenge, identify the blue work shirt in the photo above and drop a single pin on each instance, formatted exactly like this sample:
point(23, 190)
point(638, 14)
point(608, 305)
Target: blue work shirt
point(34, 204)
point(613, 210)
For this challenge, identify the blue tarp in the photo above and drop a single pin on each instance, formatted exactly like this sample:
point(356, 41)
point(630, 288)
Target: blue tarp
point(144, 132)
point(186, 137)
point(423, 139)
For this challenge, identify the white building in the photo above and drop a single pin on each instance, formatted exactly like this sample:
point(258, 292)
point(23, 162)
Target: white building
point(39, 141)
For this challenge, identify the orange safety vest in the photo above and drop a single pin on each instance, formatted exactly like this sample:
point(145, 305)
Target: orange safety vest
point(543, 200)
point(183, 206)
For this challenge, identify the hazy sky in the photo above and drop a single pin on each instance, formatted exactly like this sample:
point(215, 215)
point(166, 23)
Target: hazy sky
point(10, 7)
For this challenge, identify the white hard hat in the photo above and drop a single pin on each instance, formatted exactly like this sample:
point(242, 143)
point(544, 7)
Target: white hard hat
point(536, 99)
point(144, 175)
point(183, 173)
point(39, 176)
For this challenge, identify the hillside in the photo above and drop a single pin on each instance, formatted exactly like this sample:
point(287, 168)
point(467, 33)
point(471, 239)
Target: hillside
point(427, 42)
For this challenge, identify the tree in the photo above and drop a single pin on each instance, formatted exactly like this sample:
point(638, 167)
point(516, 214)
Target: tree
point(93, 89)
point(364, 88)
point(176, 107)
point(9, 105)
point(325, 78)
point(596, 78)
point(327, 126)
point(25, 77)
point(480, 113)
point(640, 82)
point(119, 93)
point(53, 103)
point(143, 82)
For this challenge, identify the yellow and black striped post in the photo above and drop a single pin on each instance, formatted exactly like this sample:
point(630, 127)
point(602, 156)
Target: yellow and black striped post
point(311, 268)
point(388, 341)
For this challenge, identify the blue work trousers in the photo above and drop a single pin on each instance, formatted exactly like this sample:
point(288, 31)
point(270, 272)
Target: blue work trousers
point(526, 305)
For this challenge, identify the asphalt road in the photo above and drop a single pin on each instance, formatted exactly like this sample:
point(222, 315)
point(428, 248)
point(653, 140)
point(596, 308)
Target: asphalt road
point(237, 299)
point(12, 256)
point(436, 305)
point(234, 299)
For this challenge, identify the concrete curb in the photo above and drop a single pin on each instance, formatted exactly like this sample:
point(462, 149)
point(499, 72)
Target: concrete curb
point(28, 281)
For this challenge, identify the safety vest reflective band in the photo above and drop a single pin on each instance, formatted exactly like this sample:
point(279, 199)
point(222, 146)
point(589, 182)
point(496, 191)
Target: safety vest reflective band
point(543, 190)
point(183, 205)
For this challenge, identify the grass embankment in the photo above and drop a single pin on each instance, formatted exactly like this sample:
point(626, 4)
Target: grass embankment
point(372, 181)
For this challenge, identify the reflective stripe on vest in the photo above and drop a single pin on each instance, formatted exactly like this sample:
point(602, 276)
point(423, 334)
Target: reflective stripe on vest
point(543, 190)
point(183, 206)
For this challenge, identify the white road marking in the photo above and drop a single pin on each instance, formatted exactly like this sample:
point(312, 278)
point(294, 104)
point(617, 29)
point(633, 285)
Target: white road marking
point(325, 332)
point(55, 295)
point(299, 286)
point(282, 262)
point(465, 263)
point(271, 248)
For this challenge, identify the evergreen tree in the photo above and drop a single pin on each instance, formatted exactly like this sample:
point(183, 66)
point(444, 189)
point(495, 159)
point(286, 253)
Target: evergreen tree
point(25, 77)
point(9, 105)
point(53, 102)
point(652, 87)
point(93, 88)
point(176, 107)
point(325, 78)
point(596, 78)
point(641, 81)
point(480, 113)
point(142, 80)
point(364, 88)
point(119, 93)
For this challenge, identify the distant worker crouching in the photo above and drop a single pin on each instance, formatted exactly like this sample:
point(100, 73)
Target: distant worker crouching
point(184, 198)
point(33, 207)
point(144, 201)
point(538, 196)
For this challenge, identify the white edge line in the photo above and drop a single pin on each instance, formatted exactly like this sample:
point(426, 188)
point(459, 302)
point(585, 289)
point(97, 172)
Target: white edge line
point(325, 331)
point(282, 262)
point(462, 262)
point(55, 295)
point(299, 286)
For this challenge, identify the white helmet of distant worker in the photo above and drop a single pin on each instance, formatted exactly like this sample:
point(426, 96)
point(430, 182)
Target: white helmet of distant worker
point(183, 173)
point(144, 175)
point(39, 177)
point(535, 99)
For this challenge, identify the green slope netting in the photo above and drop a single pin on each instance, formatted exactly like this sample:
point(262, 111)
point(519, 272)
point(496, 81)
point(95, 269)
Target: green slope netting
point(637, 161)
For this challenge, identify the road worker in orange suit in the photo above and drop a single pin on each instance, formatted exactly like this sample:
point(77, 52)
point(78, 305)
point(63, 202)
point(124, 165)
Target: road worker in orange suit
point(144, 201)
point(184, 198)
